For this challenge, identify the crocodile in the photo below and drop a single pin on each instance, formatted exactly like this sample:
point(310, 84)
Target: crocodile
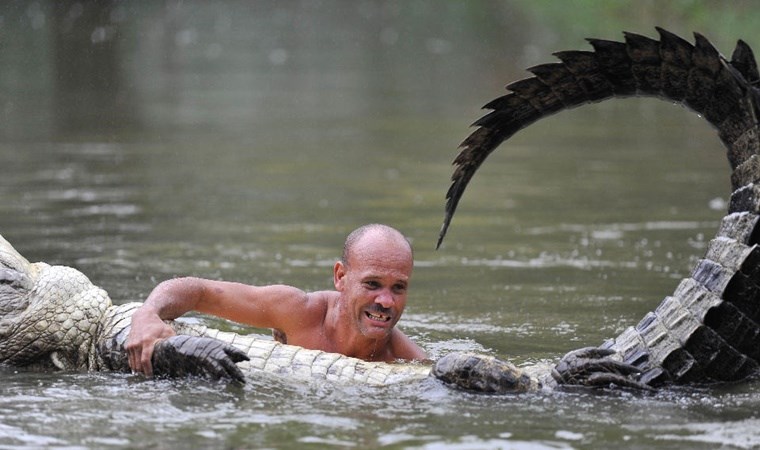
point(708, 330)
point(54, 318)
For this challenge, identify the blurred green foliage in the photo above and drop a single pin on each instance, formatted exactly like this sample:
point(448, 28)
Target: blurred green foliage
point(723, 22)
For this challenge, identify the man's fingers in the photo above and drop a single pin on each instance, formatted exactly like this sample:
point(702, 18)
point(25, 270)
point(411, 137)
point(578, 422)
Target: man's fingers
point(133, 361)
point(133, 357)
point(145, 360)
point(136, 354)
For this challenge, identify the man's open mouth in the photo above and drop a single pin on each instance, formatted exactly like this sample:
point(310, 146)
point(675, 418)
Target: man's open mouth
point(378, 316)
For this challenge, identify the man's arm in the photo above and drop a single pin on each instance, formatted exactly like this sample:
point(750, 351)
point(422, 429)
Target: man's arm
point(404, 348)
point(276, 306)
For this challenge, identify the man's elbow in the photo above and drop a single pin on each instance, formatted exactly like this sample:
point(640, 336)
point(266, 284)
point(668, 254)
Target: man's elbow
point(174, 297)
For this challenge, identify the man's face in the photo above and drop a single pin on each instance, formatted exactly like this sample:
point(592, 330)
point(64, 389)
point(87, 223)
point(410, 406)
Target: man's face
point(375, 283)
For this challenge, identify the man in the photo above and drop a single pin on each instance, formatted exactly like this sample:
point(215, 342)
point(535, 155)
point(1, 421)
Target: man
point(357, 319)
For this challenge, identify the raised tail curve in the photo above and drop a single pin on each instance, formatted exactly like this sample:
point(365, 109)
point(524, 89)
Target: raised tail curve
point(709, 328)
point(695, 75)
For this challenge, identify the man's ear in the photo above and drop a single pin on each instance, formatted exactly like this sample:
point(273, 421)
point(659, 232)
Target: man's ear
point(339, 274)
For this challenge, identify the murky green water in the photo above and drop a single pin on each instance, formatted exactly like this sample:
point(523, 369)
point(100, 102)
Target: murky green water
point(242, 141)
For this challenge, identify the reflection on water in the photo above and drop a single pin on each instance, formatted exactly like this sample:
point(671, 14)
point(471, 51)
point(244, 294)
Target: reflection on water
point(236, 140)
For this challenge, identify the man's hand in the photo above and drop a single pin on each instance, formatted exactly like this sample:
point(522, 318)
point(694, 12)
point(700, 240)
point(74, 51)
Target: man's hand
point(147, 329)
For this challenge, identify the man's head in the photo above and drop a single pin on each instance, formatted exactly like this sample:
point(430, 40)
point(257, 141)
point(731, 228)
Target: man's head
point(376, 233)
point(373, 277)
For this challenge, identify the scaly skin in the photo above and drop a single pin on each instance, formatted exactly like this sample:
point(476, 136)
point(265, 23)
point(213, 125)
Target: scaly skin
point(50, 314)
point(709, 329)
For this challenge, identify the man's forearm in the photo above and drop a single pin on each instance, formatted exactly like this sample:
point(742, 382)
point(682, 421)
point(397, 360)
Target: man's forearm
point(173, 298)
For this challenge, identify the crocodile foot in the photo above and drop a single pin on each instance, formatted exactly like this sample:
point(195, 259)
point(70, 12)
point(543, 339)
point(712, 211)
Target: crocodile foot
point(590, 366)
point(180, 356)
point(482, 373)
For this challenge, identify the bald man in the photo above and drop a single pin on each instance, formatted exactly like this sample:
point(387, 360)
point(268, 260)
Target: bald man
point(357, 319)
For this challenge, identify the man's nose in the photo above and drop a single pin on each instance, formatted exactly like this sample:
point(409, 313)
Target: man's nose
point(385, 299)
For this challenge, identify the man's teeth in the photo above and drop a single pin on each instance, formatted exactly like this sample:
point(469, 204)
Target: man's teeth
point(377, 317)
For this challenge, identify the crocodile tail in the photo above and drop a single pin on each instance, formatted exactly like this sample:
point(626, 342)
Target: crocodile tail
point(709, 328)
point(695, 75)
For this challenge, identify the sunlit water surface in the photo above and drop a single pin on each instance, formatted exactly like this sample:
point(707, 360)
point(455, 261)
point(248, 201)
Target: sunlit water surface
point(238, 142)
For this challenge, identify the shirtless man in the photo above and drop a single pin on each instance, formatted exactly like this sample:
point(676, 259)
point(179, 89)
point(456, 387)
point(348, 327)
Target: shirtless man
point(357, 319)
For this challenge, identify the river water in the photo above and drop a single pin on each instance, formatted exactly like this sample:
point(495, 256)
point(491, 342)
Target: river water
point(145, 140)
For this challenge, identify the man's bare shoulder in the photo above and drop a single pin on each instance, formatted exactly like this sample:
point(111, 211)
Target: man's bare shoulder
point(320, 300)
point(303, 323)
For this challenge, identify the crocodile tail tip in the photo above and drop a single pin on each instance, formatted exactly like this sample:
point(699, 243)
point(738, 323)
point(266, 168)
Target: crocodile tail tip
point(452, 200)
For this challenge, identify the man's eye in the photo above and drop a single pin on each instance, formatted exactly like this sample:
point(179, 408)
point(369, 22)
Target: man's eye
point(372, 284)
point(399, 288)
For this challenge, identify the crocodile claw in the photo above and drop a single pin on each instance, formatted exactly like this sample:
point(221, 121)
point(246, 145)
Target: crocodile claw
point(182, 355)
point(590, 366)
point(481, 373)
